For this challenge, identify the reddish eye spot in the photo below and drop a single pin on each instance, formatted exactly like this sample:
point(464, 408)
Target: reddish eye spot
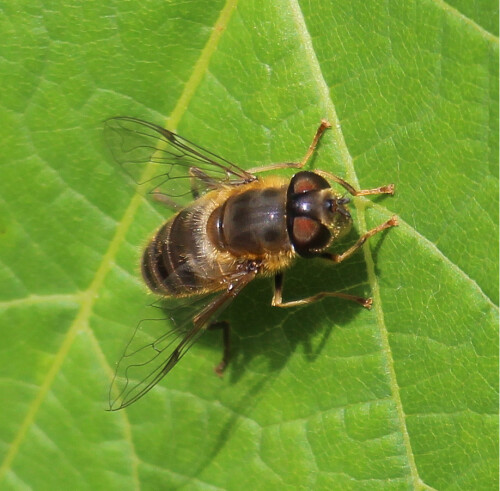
point(304, 184)
point(304, 229)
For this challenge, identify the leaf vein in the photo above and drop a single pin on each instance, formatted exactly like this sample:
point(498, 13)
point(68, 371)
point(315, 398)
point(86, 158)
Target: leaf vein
point(329, 107)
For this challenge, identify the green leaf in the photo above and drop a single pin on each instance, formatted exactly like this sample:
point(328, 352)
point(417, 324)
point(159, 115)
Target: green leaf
point(329, 396)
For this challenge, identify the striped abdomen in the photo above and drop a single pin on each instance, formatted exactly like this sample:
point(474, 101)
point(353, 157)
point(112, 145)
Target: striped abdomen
point(171, 263)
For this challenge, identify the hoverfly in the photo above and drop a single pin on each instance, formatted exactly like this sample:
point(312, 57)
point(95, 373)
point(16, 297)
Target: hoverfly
point(238, 225)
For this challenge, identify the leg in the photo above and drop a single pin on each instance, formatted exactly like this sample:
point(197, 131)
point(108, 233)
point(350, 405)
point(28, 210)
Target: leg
point(321, 129)
point(296, 165)
point(337, 258)
point(389, 189)
point(216, 305)
point(196, 175)
point(277, 300)
point(226, 337)
point(165, 200)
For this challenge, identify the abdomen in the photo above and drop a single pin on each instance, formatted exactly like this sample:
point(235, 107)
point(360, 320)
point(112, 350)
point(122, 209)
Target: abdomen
point(176, 261)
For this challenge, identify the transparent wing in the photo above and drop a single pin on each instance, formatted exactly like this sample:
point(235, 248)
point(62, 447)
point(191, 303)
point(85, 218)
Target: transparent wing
point(157, 344)
point(152, 154)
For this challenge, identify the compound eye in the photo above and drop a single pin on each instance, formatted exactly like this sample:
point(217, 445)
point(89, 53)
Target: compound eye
point(307, 181)
point(303, 230)
point(309, 235)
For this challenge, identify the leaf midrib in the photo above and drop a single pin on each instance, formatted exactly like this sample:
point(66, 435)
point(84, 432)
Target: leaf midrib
point(360, 207)
point(472, 23)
